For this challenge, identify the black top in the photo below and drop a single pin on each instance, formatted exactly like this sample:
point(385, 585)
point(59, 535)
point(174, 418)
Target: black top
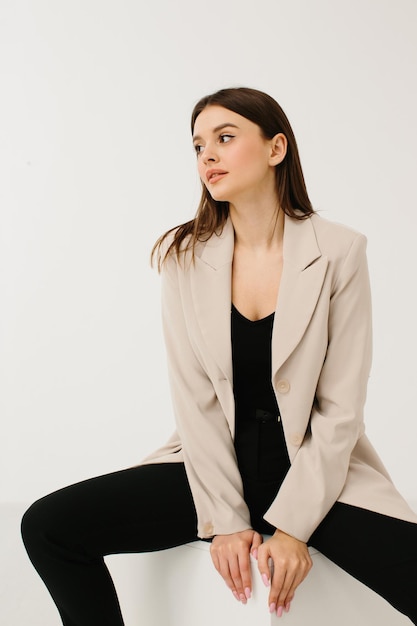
point(251, 351)
point(259, 439)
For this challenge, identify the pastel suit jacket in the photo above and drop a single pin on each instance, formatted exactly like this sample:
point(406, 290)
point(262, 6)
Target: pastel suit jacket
point(321, 357)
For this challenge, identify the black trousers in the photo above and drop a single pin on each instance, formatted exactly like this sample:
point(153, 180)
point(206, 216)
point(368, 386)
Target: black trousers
point(149, 508)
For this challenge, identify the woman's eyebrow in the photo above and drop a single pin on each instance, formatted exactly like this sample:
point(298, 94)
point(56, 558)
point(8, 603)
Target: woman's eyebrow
point(216, 129)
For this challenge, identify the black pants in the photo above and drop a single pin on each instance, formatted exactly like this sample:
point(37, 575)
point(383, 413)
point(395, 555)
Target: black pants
point(148, 508)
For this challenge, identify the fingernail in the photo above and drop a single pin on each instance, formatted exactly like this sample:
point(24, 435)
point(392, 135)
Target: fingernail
point(279, 611)
point(265, 580)
point(255, 553)
point(235, 593)
point(272, 607)
point(287, 607)
point(243, 598)
point(247, 593)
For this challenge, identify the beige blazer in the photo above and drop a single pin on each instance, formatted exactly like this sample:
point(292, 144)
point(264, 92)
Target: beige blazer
point(321, 356)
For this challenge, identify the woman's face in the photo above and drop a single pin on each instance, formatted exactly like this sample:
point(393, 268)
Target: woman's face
point(235, 161)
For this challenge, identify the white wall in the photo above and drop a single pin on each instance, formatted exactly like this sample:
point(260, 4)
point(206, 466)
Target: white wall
point(96, 162)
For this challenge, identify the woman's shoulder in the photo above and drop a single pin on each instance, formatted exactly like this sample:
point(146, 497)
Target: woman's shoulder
point(333, 238)
point(183, 249)
point(173, 247)
point(328, 228)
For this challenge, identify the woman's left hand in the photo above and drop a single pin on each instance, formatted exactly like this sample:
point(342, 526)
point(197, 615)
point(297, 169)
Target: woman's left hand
point(291, 564)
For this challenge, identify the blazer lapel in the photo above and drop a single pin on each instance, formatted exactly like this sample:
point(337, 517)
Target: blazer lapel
point(211, 283)
point(304, 269)
point(303, 273)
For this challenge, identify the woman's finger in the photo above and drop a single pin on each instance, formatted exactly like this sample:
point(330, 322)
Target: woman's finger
point(231, 558)
point(285, 581)
point(263, 565)
point(256, 542)
point(230, 572)
point(291, 564)
point(281, 588)
point(245, 572)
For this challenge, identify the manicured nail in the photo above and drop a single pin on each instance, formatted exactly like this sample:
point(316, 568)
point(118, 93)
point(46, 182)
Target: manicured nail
point(265, 580)
point(279, 611)
point(255, 553)
point(247, 593)
point(243, 598)
point(287, 607)
point(272, 607)
point(235, 593)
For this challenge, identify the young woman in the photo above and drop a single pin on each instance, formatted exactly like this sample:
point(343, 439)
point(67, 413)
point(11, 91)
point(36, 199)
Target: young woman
point(266, 311)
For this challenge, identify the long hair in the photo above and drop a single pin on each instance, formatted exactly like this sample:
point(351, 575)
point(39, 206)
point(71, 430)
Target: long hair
point(211, 215)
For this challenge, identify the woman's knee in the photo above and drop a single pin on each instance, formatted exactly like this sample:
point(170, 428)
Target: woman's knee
point(40, 521)
point(32, 525)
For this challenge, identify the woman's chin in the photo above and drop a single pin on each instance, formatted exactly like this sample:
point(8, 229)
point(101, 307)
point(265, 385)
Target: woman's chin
point(219, 196)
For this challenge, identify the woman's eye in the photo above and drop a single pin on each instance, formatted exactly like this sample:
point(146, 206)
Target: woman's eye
point(225, 138)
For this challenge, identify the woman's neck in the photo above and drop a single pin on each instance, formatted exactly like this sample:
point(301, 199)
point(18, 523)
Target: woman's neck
point(257, 227)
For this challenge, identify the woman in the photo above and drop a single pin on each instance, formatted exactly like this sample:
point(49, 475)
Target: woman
point(266, 312)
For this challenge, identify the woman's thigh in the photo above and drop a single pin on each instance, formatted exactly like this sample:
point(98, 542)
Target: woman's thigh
point(141, 509)
point(378, 550)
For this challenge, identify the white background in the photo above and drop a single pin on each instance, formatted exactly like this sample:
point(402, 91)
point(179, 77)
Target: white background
point(96, 162)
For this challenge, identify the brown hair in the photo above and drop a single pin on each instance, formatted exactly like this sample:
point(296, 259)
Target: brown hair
point(211, 215)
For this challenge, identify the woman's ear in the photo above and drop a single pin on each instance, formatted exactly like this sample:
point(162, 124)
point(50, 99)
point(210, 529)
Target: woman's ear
point(278, 149)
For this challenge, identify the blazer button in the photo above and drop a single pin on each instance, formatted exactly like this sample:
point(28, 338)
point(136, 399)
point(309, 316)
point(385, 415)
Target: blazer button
point(208, 529)
point(283, 386)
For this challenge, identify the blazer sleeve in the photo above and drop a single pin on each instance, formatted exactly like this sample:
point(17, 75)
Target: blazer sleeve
point(319, 469)
point(207, 444)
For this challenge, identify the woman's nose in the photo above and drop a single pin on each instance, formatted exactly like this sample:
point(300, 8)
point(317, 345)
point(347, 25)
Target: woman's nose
point(209, 154)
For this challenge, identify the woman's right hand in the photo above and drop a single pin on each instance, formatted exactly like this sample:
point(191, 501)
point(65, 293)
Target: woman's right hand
point(231, 558)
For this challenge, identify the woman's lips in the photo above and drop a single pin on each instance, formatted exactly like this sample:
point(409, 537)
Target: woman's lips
point(214, 175)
